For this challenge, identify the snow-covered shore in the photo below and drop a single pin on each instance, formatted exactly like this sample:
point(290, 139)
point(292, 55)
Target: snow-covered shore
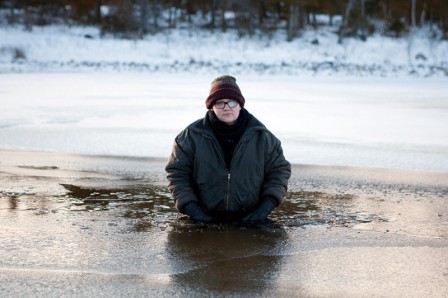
point(316, 52)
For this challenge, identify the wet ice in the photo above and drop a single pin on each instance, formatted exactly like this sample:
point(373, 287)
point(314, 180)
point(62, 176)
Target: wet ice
point(143, 208)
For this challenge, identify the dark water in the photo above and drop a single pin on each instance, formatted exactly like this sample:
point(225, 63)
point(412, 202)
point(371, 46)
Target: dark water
point(144, 208)
point(153, 206)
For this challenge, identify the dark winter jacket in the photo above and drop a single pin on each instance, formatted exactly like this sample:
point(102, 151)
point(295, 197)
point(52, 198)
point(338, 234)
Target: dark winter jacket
point(197, 171)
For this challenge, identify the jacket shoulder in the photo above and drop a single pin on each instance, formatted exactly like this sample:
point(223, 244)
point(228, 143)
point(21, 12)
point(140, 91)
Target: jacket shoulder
point(257, 125)
point(253, 122)
point(191, 131)
point(199, 126)
point(196, 124)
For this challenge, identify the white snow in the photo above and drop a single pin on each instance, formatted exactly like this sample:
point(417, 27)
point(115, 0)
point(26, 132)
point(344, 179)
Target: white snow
point(58, 47)
point(365, 104)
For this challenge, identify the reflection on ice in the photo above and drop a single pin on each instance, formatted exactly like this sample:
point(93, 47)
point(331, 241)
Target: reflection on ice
point(227, 259)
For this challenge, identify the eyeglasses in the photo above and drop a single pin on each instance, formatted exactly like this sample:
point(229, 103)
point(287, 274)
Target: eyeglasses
point(221, 104)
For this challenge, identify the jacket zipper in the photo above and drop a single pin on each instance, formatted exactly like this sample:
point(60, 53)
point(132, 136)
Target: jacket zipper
point(228, 170)
point(228, 173)
point(228, 190)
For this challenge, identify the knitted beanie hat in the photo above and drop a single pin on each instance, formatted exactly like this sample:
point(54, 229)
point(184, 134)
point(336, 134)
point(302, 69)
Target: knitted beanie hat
point(224, 87)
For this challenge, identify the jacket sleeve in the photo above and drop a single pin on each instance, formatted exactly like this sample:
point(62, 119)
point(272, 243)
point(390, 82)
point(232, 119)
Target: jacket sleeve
point(277, 171)
point(180, 170)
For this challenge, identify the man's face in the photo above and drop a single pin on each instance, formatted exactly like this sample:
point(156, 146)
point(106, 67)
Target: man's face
point(229, 112)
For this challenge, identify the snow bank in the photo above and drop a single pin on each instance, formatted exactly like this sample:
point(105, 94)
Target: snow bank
point(56, 48)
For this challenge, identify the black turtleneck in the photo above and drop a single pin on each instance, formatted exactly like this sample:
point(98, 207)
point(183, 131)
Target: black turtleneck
point(228, 135)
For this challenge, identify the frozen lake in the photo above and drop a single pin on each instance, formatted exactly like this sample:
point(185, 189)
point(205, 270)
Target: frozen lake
point(81, 225)
point(367, 122)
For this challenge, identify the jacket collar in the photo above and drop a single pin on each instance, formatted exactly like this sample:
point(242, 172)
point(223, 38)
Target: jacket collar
point(201, 126)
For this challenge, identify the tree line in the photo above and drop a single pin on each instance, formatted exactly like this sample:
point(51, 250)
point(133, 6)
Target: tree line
point(136, 18)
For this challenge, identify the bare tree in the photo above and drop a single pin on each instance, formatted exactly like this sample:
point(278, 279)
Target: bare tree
point(363, 20)
point(345, 20)
point(98, 11)
point(143, 17)
point(293, 18)
point(354, 21)
point(413, 8)
point(213, 12)
point(423, 15)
